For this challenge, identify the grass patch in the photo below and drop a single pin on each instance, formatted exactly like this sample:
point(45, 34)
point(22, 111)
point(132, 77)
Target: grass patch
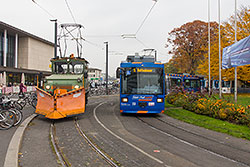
point(242, 99)
point(169, 105)
point(239, 131)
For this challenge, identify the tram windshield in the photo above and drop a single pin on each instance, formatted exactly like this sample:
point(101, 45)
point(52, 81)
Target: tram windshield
point(68, 68)
point(142, 81)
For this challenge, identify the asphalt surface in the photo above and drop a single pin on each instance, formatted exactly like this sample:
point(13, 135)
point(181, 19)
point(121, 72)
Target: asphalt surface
point(130, 140)
point(36, 145)
point(6, 135)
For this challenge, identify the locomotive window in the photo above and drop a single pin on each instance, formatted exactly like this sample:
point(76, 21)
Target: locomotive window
point(65, 68)
point(60, 68)
point(78, 69)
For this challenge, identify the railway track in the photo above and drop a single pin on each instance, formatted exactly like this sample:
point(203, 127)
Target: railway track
point(104, 155)
point(62, 157)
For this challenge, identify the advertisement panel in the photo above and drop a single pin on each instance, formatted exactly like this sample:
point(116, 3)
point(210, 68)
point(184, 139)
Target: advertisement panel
point(237, 54)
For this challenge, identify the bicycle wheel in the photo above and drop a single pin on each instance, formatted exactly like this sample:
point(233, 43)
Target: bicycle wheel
point(19, 117)
point(34, 103)
point(18, 106)
point(7, 119)
point(22, 102)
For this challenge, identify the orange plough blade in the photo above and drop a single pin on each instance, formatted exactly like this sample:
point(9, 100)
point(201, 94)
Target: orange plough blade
point(60, 106)
point(45, 102)
point(71, 103)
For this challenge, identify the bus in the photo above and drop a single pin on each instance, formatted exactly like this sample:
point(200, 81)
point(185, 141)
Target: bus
point(142, 85)
point(187, 81)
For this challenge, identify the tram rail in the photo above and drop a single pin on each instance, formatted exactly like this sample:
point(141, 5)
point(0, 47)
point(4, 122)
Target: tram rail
point(62, 157)
point(56, 148)
point(104, 155)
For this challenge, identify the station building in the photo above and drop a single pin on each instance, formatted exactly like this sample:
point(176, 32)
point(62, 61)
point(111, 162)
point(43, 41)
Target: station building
point(94, 74)
point(23, 57)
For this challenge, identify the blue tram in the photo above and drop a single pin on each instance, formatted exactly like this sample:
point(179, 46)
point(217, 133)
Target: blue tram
point(187, 81)
point(142, 85)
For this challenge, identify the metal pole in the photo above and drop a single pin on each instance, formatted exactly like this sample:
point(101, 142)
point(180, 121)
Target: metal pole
point(219, 50)
point(106, 43)
point(16, 50)
point(5, 48)
point(55, 43)
point(235, 78)
point(155, 55)
point(209, 41)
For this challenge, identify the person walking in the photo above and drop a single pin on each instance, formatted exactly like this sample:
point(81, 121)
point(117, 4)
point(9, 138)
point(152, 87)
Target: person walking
point(21, 87)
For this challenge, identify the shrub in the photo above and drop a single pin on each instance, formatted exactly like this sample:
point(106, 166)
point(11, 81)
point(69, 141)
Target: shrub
point(222, 109)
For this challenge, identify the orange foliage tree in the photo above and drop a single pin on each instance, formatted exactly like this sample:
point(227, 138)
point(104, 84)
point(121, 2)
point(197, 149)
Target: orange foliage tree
point(228, 38)
point(188, 45)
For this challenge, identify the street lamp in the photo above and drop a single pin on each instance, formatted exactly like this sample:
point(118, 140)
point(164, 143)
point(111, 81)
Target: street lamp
point(55, 44)
point(107, 52)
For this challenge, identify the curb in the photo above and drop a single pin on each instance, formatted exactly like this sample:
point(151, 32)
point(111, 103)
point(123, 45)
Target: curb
point(11, 158)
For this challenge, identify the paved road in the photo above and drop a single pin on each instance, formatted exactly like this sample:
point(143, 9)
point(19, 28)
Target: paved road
point(6, 135)
point(131, 140)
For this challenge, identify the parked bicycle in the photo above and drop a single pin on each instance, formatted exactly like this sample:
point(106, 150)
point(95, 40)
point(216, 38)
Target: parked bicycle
point(7, 119)
point(8, 104)
point(28, 99)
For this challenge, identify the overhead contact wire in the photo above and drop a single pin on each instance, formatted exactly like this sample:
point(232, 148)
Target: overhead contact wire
point(43, 8)
point(146, 17)
point(70, 11)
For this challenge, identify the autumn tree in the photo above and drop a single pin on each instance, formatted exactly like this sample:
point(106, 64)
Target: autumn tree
point(170, 67)
point(228, 38)
point(188, 45)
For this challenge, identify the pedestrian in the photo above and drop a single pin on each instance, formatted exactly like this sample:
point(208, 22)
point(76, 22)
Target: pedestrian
point(21, 87)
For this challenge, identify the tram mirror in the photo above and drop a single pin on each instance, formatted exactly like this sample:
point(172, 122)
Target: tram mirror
point(118, 73)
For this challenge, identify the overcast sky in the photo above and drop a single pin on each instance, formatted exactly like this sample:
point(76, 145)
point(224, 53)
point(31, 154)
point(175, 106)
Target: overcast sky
point(107, 20)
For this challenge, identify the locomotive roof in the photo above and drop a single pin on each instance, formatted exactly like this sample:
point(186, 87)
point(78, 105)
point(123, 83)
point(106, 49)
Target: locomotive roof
point(71, 58)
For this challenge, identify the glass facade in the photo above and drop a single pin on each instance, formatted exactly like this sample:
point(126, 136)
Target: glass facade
point(30, 79)
point(1, 47)
point(10, 62)
point(10, 51)
point(13, 78)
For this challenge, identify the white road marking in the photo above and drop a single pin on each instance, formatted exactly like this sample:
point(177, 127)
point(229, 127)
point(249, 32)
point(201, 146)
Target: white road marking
point(135, 147)
point(190, 144)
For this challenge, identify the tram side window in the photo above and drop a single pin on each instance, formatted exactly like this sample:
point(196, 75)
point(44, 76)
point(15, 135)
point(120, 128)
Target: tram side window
point(187, 83)
point(192, 83)
point(176, 82)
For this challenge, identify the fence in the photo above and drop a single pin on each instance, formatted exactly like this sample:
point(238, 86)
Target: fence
point(16, 89)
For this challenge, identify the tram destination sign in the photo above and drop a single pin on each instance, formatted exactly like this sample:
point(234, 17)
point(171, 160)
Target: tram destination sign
point(237, 54)
point(144, 70)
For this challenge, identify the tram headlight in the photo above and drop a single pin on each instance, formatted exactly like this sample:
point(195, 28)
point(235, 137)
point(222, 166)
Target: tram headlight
point(77, 86)
point(124, 100)
point(79, 80)
point(47, 87)
point(159, 100)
